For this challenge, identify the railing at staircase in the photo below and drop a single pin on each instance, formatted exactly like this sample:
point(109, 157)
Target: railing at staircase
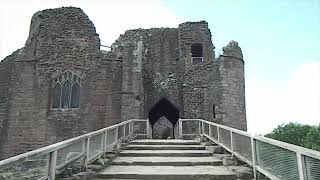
point(46, 162)
point(274, 159)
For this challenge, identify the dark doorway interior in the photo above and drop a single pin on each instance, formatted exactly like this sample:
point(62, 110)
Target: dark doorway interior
point(165, 111)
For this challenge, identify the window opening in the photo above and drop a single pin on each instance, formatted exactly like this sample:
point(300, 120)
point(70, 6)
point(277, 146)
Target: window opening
point(66, 91)
point(196, 53)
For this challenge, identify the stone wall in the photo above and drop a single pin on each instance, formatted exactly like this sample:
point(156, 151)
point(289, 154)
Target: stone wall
point(204, 90)
point(143, 67)
point(215, 90)
point(197, 91)
point(150, 69)
point(162, 68)
point(6, 74)
point(60, 40)
point(194, 32)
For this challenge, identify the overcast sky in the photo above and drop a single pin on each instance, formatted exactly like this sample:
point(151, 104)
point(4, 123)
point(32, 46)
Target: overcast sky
point(280, 41)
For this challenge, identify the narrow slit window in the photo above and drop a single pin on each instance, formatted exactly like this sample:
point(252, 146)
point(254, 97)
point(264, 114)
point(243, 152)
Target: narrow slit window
point(214, 111)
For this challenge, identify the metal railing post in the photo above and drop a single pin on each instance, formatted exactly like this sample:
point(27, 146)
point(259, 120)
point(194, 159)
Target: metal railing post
point(130, 128)
point(148, 129)
point(218, 132)
point(116, 134)
point(132, 125)
point(124, 131)
point(180, 129)
point(105, 141)
point(301, 167)
point(87, 152)
point(199, 127)
point(202, 126)
point(254, 157)
point(102, 141)
point(231, 142)
point(210, 131)
point(52, 165)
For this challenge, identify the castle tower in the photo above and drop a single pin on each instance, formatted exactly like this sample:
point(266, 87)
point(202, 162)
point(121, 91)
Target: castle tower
point(61, 85)
point(231, 107)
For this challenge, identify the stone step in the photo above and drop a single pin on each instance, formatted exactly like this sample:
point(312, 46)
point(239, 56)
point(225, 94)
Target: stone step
point(167, 161)
point(115, 179)
point(165, 147)
point(166, 153)
point(165, 142)
point(168, 172)
point(121, 179)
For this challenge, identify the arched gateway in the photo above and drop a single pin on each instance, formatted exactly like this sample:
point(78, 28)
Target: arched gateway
point(163, 117)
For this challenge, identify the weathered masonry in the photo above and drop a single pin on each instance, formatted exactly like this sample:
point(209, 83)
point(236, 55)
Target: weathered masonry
point(60, 84)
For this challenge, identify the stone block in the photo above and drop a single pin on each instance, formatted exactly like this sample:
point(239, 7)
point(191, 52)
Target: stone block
point(88, 175)
point(4, 176)
point(242, 172)
point(229, 161)
point(95, 168)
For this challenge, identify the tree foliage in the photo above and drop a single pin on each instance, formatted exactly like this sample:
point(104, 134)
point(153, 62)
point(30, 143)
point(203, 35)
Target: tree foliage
point(298, 134)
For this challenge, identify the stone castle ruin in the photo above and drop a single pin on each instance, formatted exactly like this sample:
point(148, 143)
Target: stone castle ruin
point(61, 85)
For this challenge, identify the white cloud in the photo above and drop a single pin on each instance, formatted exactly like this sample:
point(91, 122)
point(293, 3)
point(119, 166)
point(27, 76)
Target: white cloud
point(111, 18)
point(304, 94)
point(297, 100)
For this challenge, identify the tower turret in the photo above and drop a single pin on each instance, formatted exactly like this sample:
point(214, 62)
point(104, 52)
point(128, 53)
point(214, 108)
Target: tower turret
point(232, 104)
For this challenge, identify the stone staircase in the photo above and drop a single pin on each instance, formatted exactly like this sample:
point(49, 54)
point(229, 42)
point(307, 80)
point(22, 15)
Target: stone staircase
point(166, 159)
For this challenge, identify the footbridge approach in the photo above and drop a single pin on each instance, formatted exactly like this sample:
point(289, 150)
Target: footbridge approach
point(200, 149)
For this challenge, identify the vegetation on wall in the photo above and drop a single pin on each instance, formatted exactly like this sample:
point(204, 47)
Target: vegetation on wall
point(298, 134)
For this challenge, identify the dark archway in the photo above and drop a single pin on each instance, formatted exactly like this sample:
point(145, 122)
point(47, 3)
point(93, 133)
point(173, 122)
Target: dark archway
point(164, 108)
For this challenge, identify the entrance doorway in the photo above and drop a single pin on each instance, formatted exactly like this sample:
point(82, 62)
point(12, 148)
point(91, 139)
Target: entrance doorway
point(163, 117)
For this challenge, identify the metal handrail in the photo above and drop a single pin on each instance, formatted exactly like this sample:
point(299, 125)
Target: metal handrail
point(52, 150)
point(206, 129)
point(301, 152)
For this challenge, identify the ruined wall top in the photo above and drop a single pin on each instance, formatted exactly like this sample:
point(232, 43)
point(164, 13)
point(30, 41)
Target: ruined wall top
point(62, 22)
point(66, 23)
point(232, 50)
point(197, 24)
point(141, 34)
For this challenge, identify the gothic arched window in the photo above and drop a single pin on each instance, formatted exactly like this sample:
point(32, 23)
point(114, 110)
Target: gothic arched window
point(66, 91)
